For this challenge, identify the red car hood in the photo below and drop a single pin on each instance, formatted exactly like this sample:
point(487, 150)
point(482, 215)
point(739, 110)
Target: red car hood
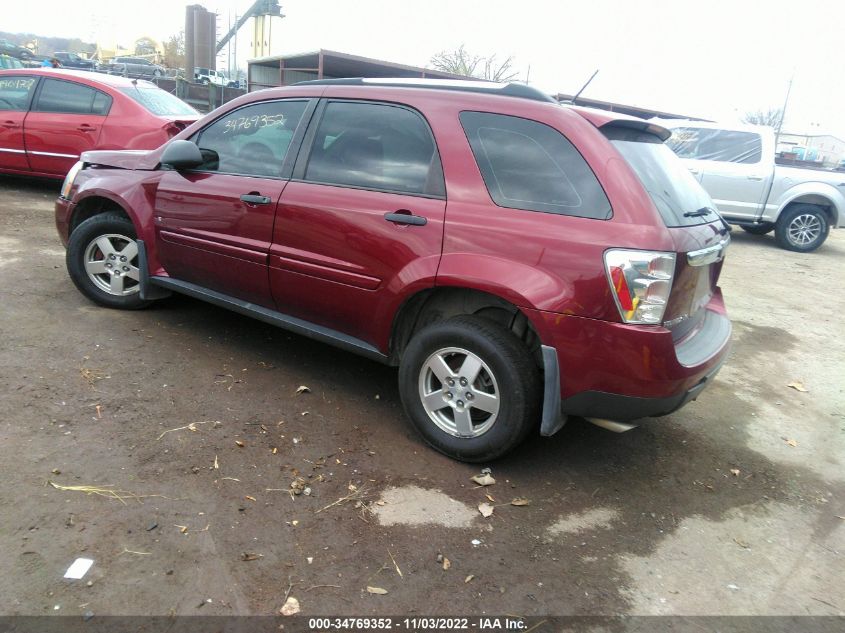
point(122, 159)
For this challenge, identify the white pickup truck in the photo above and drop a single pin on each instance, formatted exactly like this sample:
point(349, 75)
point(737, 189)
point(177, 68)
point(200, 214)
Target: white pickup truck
point(736, 165)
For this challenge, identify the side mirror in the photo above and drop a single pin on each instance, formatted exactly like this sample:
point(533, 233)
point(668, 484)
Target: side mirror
point(181, 155)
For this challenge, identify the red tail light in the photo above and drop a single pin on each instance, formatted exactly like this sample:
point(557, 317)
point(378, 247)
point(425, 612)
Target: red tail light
point(620, 286)
point(174, 127)
point(641, 283)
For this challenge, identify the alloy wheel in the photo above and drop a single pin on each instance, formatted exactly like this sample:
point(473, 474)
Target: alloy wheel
point(459, 392)
point(111, 262)
point(804, 229)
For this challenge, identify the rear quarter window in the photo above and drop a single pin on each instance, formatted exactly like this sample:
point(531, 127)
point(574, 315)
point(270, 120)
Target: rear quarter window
point(531, 166)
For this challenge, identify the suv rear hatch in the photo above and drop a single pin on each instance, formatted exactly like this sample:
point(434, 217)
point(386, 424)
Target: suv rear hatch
point(699, 233)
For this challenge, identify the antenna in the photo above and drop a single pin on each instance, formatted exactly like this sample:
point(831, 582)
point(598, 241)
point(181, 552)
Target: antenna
point(584, 87)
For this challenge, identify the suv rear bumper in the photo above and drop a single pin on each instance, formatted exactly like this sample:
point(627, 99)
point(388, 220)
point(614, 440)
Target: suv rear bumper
point(620, 408)
point(625, 372)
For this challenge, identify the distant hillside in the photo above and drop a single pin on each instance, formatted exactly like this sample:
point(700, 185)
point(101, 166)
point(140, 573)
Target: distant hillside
point(49, 45)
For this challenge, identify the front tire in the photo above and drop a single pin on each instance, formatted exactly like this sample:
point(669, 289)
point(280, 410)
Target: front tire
point(102, 261)
point(470, 388)
point(802, 228)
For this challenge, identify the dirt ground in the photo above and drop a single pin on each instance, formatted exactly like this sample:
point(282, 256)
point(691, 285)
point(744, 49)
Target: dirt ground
point(734, 505)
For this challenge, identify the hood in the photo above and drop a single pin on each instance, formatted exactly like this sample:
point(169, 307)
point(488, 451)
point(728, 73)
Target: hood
point(121, 159)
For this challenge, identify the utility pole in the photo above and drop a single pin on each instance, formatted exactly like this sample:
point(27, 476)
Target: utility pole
point(783, 111)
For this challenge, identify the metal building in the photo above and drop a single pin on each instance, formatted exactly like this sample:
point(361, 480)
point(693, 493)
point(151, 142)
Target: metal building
point(283, 70)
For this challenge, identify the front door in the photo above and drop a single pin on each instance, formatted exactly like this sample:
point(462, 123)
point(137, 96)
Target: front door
point(15, 96)
point(214, 224)
point(361, 219)
point(66, 119)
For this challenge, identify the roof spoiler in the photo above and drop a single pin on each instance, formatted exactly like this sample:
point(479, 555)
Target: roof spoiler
point(642, 126)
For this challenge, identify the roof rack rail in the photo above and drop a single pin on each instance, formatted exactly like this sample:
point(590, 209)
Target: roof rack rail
point(486, 87)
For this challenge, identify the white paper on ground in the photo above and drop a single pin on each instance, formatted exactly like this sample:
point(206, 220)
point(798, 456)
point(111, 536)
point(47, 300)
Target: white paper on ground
point(79, 568)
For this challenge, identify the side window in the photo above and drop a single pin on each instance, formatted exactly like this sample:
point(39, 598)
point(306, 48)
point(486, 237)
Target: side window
point(375, 146)
point(728, 146)
point(251, 141)
point(71, 98)
point(529, 165)
point(15, 92)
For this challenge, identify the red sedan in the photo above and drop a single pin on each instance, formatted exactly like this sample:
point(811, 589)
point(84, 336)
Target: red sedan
point(48, 117)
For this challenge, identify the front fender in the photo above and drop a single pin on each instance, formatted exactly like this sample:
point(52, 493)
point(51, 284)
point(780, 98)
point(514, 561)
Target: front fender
point(134, 195)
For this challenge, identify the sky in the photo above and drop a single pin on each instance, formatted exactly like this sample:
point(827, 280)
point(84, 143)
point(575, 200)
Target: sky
point(711, 58)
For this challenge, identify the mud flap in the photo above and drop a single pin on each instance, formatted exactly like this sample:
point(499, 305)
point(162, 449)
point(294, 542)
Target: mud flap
point(553, 419)
point(148, 291)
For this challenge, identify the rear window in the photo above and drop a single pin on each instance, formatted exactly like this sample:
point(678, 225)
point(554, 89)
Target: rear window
point(158, 101)
point(528, 165)
point(727, 146)
point(679, 198)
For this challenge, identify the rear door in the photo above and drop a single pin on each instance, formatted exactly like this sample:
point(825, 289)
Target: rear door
point(15, 96)
point(362, 216)
point(65, 120)
point(214, 224)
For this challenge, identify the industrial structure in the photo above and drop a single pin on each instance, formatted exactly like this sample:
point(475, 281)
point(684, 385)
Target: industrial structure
point(200, 39)
point(283, 70)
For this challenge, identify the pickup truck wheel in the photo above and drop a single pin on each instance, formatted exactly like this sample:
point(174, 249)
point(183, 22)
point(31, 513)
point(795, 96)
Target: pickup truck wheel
point(102, 260)
point(758, 229)
point(470, 388)
point(802, 228)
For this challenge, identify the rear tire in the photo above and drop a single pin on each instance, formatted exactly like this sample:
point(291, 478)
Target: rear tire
point(758, 229)
point(488, 393)
point(802, 228)
point(102, 260)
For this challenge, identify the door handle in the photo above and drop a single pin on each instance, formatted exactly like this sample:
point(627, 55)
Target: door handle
point(255, 198)
point(86, 128)
point(11, 125)
point(405, 218)
point(755, 177)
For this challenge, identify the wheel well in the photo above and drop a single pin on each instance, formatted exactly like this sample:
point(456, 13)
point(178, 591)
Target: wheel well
point(90, 207)
point(438, 304)
point(817, 201)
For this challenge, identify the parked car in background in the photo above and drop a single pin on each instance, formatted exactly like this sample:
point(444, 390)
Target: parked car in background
point(9, 62)
point(571, 270)
point(736, 165)
point(207, 76)
point(72, 60)
point(135, 67)
point(48, 117)
point(13, 50)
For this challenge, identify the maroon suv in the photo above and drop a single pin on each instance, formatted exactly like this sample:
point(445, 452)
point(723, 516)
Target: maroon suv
point(520, 261)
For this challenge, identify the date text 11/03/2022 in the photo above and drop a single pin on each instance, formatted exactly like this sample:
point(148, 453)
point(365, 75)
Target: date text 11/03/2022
point(420, 623)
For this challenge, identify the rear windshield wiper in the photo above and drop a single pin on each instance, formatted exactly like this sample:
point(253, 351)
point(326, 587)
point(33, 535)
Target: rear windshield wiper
point(699, 212)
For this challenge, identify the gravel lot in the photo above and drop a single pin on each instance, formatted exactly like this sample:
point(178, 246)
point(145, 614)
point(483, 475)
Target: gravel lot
point(734, 505)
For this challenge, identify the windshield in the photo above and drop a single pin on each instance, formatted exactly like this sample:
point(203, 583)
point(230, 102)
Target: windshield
point(158, 101)
point(678, 196)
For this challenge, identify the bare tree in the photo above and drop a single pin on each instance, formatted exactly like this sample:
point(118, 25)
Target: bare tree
point(145, 46)
point(462, 62)
point(174, 51)
point(771, 117)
